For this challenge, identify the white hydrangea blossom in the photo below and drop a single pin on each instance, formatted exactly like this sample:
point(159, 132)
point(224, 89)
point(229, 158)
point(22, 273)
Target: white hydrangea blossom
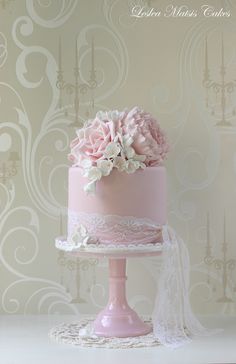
point(112, 150)
point(80, 236)
point(131, 166)
point(86, 164)
point(129, 151)
point(105, 166)
point(90, 187)
point(93, 174)
point(119, 163)
point(118, 154)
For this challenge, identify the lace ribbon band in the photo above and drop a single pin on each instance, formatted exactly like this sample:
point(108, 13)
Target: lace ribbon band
point(114, 229)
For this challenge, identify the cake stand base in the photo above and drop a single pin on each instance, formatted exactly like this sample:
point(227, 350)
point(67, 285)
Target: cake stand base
point(117, 319)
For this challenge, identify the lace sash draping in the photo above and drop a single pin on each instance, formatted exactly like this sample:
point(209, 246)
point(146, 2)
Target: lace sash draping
point(174, 323)
point(173, 320)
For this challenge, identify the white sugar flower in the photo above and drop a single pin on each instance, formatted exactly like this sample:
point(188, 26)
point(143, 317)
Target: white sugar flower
point(86, 163)
point(119, 163)
point(94, 174)
point(112, 150)
point(105, 166)
point(80, 237)
point(131, 166)
point(129, 151)
point(90, 187)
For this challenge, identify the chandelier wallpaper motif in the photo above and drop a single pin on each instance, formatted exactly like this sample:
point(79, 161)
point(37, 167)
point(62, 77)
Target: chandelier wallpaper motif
point(61, 62)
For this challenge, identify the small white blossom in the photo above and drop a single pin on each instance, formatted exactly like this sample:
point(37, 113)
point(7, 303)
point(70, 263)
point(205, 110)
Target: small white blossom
point(112, 150)
point(80, 236)
point(94, 174)
point(131, 166)
point(105, 166)
point(129, 151)
point(86, 163)
point(90, 187)
point(119, 163)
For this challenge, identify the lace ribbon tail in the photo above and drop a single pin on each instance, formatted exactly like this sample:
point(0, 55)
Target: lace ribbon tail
point(173, 320)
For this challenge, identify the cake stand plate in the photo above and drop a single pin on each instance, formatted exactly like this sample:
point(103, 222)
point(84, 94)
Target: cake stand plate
point(117, 319)
point(109, 251)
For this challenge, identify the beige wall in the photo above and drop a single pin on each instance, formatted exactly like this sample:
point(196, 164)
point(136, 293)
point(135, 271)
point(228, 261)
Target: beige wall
point(156, 63)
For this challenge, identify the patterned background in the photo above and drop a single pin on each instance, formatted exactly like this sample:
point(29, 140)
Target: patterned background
point(157, 63)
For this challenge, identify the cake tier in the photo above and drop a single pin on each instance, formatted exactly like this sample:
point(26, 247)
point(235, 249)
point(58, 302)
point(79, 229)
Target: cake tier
point(140, 195)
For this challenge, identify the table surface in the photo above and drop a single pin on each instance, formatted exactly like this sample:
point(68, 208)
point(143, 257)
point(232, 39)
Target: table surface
point(24, 340)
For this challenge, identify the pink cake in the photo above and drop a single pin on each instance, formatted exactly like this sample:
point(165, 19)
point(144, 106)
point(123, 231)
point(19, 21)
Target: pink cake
point(117, 191)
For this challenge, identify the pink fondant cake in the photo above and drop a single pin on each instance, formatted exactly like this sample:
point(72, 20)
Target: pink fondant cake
point(117, 186)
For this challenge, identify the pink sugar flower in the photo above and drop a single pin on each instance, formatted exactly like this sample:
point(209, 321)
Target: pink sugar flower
point(91, 141)
point(148, 138)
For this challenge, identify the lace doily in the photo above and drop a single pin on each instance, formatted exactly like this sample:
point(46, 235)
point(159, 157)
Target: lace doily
point(79, 334)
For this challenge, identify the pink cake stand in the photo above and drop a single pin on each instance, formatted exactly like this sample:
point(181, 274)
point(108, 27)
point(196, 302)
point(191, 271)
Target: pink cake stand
point(117, 319)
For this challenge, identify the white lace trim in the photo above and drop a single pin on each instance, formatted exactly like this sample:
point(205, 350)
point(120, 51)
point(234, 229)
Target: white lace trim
point(114, 228)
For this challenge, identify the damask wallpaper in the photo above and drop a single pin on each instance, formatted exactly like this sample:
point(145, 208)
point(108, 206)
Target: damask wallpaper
point(63, 60)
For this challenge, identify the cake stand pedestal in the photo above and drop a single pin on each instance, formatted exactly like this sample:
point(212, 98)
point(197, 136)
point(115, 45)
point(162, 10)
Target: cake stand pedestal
point(117, 319)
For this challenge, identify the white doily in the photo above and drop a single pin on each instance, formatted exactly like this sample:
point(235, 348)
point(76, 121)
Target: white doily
point(79, 334)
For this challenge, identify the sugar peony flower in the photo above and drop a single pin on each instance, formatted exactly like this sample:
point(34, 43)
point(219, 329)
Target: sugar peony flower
point(148, 138)
point(91, 142)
